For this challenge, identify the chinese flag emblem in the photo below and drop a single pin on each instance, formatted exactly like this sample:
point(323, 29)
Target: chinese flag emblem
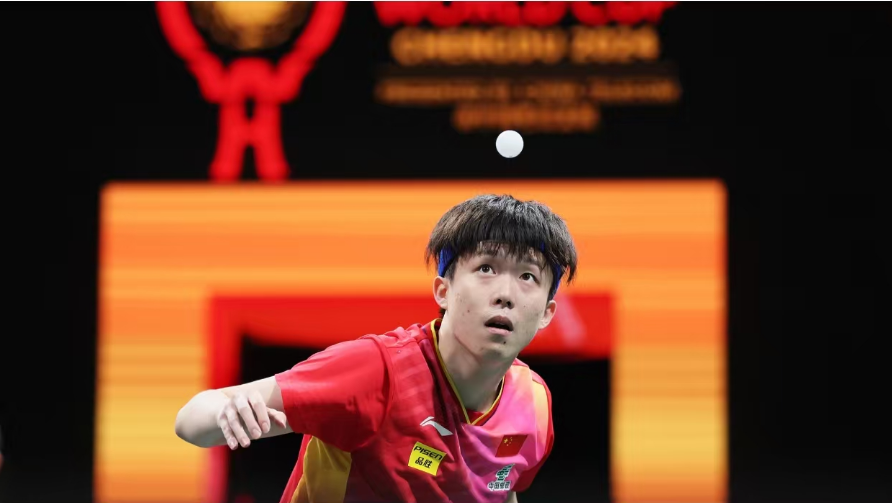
point(510, 445)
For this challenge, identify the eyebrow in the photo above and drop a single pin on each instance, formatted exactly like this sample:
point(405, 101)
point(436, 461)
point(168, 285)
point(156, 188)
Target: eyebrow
point(525, 259)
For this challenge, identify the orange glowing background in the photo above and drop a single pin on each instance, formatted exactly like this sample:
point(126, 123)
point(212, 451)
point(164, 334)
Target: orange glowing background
point(656, 247)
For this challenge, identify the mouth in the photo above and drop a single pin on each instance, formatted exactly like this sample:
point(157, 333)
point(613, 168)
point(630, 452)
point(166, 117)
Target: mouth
point(500, 324)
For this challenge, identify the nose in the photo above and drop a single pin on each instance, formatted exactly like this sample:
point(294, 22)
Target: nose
point(506, 303)
point(502, 295)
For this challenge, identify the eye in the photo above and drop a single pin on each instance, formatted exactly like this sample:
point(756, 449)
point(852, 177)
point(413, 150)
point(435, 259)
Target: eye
point(529, 276)
point(486, 269)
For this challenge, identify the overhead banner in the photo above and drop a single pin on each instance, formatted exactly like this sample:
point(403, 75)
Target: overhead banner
point(534, 67)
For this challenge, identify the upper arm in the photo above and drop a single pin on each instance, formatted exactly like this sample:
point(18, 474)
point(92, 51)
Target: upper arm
point(512, 498)
point(339, 395)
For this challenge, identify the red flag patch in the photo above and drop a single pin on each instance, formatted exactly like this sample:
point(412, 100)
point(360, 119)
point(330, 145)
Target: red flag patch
point(510, 445)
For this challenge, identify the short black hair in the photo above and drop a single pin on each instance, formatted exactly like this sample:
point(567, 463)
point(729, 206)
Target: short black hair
point(489, 223)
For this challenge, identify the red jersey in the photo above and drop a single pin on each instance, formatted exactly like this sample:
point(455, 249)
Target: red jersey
point(382, 421)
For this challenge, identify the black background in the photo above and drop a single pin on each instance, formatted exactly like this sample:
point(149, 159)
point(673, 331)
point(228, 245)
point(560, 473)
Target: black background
point(786, 103)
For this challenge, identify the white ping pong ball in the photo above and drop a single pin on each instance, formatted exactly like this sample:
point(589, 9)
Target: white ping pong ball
point(509, 144)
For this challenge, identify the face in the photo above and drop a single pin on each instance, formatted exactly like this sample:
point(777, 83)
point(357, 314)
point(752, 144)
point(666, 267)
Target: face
point(496, 303)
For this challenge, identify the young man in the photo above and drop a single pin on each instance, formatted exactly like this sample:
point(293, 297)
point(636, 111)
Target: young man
point(441, 411)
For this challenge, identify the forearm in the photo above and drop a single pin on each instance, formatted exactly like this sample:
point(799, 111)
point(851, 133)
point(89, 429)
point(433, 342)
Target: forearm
point(197, 420)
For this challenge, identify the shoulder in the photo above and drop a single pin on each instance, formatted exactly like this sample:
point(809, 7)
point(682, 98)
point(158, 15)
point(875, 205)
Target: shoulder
point(362, 346)
point(541, 395)
point(538, 380)
point(522, 369)
point(356, 349)
point(399, 337)
point(371, 350)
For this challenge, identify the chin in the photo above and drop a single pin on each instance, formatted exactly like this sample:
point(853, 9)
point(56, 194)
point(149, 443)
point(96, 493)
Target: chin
point(497, 350)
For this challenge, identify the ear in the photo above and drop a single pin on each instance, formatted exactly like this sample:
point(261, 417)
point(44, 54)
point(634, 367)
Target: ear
point(441, 287)
point(548, 314)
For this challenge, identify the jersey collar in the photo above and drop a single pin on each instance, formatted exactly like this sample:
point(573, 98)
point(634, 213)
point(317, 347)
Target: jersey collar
point(433, 326)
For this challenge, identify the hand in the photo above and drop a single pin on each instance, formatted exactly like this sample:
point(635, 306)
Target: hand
point(244, 416)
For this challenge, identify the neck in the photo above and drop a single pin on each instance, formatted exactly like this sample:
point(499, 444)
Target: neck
point(476, 380)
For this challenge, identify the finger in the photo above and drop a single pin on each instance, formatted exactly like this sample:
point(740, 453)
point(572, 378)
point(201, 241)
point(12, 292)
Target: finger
point(241, 404)
point(228, 433)
point(278, 417)
point(236, 425)
point(260, 411)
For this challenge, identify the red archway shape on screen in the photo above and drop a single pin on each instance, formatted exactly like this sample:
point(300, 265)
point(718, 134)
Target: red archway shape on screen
point(250, 78)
